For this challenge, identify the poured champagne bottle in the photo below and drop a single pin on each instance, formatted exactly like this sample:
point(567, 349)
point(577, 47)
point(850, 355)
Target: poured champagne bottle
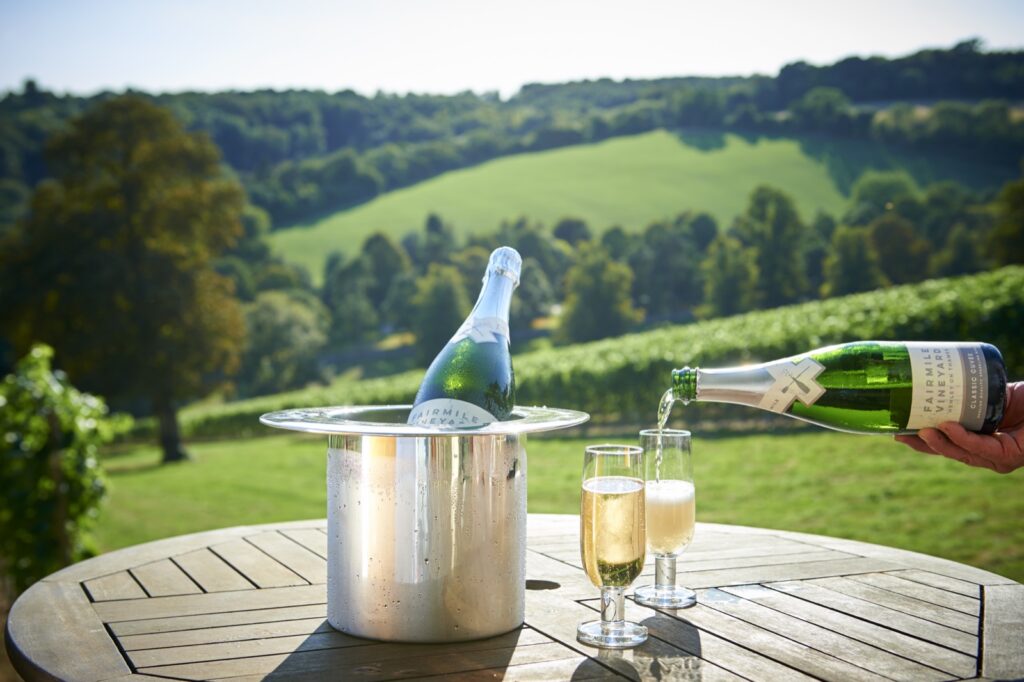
point(865, 386)
point(471, 382)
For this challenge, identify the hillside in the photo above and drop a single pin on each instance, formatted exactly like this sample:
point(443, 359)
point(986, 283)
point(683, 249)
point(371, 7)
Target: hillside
point(628, 181)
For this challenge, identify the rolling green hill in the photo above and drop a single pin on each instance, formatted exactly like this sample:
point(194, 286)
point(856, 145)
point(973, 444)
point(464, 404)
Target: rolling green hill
point(628, 181)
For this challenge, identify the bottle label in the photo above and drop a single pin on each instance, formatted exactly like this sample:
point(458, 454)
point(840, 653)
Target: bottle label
point(792, 380)
point(482, 330)
point(950, 384)
point(448, 412)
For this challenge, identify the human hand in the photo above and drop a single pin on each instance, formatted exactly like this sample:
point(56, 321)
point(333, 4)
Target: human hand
point(1002, 451)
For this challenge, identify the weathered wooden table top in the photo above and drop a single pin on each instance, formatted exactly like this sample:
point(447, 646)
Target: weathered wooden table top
point(249, 602)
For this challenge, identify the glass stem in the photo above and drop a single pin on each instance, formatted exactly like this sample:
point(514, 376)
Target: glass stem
point(612, 608)
point(664, 573)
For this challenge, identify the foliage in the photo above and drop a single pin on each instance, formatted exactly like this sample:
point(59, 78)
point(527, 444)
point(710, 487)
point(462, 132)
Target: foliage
point(50, 473)
point(572, 231)
point(441, 306)
point(285, 332)
point(852, 265)
point(877, 192)
point(597, 302)
point(730, 277)
point(113, 265)
point(533, 297)
point(620, 377)
point(772, 227)
point(902, 252)
point(300, 153)
point(1007, 241)
point(346, 294)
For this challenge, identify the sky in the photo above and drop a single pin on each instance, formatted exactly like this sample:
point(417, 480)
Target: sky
point(447, 46)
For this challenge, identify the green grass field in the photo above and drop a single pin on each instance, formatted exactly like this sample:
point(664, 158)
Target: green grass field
point(628, 181)
point(860, 487)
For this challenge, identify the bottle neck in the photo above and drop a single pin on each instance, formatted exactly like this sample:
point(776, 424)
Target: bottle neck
point(738, 385)
point(495, 297)
point(488, 321)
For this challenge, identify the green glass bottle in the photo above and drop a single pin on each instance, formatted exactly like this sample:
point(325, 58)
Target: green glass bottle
point(866, 386)
point(470, 382)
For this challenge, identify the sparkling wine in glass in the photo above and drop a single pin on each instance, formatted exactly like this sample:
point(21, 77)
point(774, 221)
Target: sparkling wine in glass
point(671, 512)
point(612, 540)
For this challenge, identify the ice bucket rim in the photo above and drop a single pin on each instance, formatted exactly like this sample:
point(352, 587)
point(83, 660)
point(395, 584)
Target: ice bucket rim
point(344, 420)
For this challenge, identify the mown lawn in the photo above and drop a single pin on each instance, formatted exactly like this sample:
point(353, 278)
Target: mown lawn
point(865, 488)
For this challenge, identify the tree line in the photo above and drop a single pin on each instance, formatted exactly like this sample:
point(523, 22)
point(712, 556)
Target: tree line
point(300, 153)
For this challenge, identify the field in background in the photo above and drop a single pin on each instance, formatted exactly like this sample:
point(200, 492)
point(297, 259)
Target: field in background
point(860, 487)
point(627, 181)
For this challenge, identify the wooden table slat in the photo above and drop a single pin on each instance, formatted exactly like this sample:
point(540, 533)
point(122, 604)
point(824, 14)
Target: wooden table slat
point(898, 602)
point(817, 637)
point(217, 602)
point(942, 582)
point(312, 539)
point(164, 578)
point(212, 620)
point(909, 588)
point(310, 566)
point(52, 619)
point(782, 649)
point(256, 565)
point(1002, 651)
point(120, 585)
point(898, 643)
point(912, 625)
point(211, 572)
point(374, 662)
point(228, 633)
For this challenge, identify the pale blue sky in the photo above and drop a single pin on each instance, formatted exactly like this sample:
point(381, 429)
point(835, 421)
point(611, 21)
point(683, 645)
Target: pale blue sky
point(445, 46)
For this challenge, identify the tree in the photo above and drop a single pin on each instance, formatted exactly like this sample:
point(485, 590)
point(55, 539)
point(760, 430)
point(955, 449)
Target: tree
point(822, 109)
point(49, 468)
point(471, 262)
point(902, 253)
point(1006, 242)
point(616, 242)
point(961, 255)
point(667, 269)
point(440, 307)
point(113, 265)
point(730, 277)
point(773, 228)
point(353, 316)
point(877, 192)
point(387, 260)
point(572, 231)
point(285, 333)
point(598, 303)
point(852, 265)
point(533, 298)
point(703, 230)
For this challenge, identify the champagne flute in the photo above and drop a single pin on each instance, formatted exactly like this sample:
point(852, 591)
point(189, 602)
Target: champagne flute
point(671, 511)
point(612, 539)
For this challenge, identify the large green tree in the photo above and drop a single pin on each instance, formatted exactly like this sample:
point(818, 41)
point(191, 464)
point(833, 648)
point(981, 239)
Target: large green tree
point(772, 226)
point(598, 303)
point(440, 306)
point(852, 265)
point(1006, 243)
point(730, 277)
point(112, 266)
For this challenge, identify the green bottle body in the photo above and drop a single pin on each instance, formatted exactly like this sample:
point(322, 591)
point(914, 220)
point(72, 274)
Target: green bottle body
point(866, 386)
point(471, 382)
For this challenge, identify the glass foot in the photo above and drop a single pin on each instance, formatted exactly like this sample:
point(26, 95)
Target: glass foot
point(621, 635)
point(675, 597)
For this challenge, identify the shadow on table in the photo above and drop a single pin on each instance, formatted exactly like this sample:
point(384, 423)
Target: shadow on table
point(672, 652)
point(327, 652)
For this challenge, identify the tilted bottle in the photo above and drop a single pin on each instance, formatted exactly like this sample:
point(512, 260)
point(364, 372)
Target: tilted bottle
point(471, 382)
point(865, 386)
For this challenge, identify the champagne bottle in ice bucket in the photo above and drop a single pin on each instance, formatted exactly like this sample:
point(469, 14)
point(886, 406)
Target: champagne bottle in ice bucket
point(471, 382)
point(865, 386)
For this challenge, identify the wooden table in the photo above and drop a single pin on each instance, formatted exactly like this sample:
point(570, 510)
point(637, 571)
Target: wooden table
point(249, 602)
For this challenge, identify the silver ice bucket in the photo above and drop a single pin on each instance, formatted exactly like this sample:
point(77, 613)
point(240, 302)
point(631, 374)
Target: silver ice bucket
point(426, 525)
